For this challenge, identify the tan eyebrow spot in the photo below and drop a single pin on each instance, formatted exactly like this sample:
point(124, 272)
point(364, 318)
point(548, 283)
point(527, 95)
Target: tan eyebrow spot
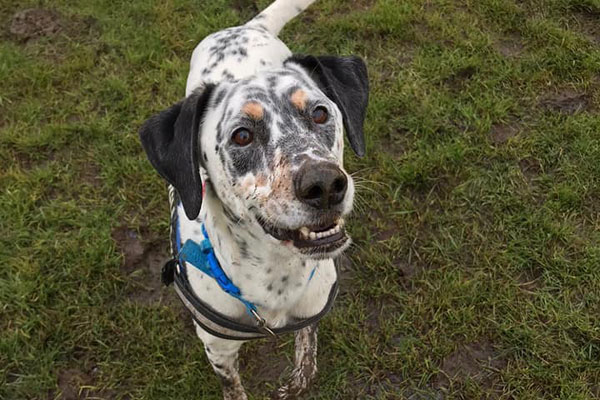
point(253, 109)
point(299, 99)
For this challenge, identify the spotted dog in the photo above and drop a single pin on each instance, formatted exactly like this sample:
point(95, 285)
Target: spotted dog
point(253, 155)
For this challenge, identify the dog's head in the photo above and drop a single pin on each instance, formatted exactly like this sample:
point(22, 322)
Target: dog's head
point(272, 145)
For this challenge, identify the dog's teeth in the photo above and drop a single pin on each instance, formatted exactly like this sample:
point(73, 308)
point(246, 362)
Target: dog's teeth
point(340, 222)
point(304, 232)
point(313, 236)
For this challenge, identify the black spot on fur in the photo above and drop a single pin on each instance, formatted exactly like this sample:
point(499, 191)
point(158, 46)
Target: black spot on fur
point(230, 214)
point(269, 287)
point(219, 97)
point(243, 248)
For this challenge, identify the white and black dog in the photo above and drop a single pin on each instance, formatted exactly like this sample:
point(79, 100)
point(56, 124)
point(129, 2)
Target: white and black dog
point(253, 156)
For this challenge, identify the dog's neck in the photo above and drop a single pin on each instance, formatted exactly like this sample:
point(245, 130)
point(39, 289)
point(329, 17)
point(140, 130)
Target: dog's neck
point(267, 272)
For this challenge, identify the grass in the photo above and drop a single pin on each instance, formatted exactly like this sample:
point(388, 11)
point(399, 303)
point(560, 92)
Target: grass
point(476, 267)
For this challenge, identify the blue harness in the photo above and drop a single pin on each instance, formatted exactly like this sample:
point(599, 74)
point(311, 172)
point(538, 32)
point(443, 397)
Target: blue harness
point(202, 256)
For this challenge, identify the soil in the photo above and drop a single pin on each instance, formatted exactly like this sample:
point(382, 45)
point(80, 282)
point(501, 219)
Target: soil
point(246, 8)
point(266, 364)
point(566, 101)
point(78, 384)
point(34, 23)
point(458, 79)
point(407, 272)
point(395, 143)
point(530, 167)
point(509, 46)
point(501, 133)
point(143, 258)
point(477, 361)
point(589, 25)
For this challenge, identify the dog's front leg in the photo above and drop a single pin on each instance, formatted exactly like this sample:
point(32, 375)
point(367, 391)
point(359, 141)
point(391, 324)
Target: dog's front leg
point(305, 364)
point(223, 356)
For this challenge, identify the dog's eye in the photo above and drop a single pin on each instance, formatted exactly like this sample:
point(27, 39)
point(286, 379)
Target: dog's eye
point(319, 115)
point(242, 137)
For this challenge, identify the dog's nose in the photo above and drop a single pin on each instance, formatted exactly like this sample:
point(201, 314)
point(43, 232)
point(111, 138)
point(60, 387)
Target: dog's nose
point(321, 185)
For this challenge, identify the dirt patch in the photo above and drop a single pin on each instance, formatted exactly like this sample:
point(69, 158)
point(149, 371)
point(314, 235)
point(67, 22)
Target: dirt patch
point(385, 234)
point(588, 23)
point(501, 133)
point(143, 258)
point(509, 45)
point(567, 101)
point(360, 387)
point(457, 80)
point(78, 384)
point(265, 365)
point(476, 361)
point(395, 143)
point(246, 8)
point(595, 389)
point(530, 167)
point(406, 272)
point(48, 33)
point(34, 23)
point(21, 159)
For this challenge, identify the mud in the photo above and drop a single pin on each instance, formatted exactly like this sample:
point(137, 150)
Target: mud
point(478, 361)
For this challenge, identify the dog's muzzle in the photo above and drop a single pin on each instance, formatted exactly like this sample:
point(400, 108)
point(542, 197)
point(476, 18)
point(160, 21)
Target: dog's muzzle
point(322, 186)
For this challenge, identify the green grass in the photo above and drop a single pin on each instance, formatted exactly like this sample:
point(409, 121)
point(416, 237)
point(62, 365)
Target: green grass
point(477, 228)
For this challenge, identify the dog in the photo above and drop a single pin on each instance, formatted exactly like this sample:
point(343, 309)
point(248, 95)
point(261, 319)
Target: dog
point(253, 156)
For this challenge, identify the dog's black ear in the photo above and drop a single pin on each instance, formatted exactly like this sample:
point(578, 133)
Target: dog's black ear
point(171, 141)
point(344, 80)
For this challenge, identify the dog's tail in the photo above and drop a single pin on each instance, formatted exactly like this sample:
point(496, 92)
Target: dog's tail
point(279, 13)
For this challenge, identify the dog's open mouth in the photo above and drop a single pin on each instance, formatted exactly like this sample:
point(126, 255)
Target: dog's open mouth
point(322, 238)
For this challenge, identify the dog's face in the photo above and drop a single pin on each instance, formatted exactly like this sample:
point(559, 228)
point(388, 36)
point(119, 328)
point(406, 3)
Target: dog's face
point(272, 146)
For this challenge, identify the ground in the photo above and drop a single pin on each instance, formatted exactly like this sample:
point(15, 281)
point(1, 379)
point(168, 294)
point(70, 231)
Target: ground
point(475, 270)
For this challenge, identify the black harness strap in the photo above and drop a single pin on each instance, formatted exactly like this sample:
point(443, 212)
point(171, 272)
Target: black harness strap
point(222, 326)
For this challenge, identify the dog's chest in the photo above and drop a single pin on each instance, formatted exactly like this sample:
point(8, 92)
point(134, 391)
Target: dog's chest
point(283, 287)
point(234, 53)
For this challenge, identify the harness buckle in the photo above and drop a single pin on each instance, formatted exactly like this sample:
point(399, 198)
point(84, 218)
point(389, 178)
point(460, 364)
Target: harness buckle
point(167, 274)
point(262, 324)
